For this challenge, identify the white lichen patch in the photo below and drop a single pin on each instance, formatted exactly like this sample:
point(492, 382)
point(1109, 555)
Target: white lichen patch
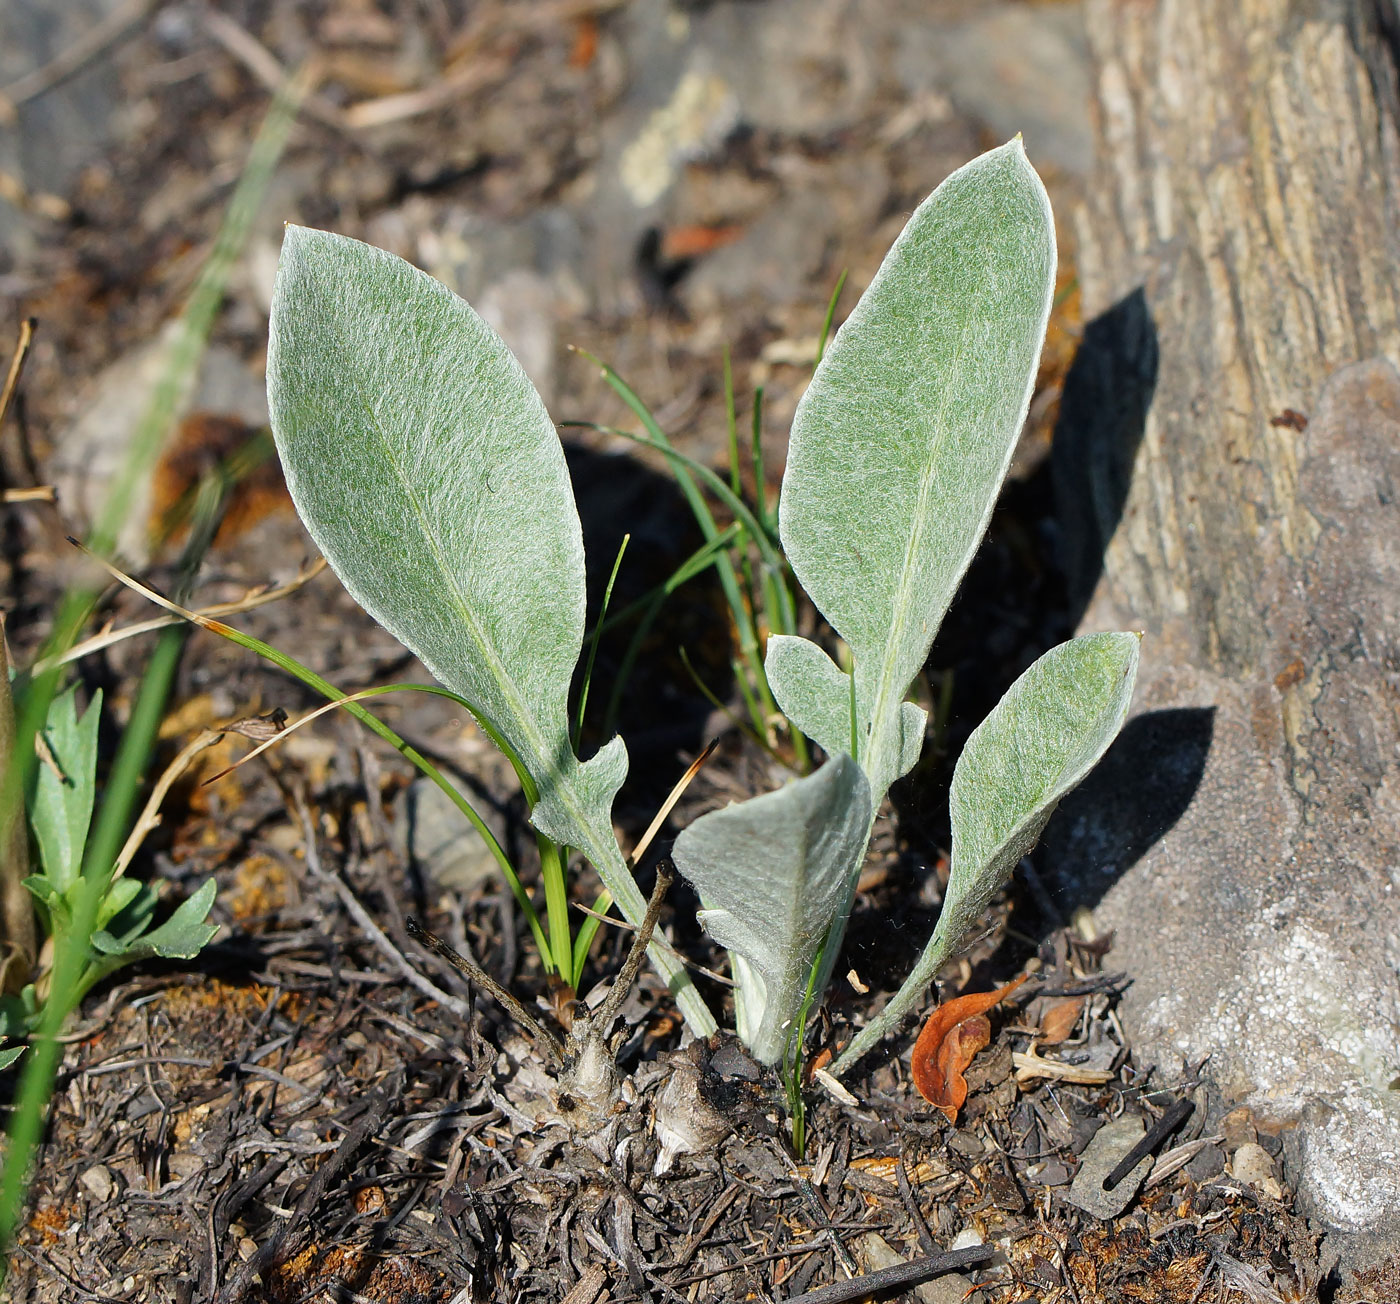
point(1306, 1038)
point(1351, 1158)
point(701, 112)
point(1300, 1020)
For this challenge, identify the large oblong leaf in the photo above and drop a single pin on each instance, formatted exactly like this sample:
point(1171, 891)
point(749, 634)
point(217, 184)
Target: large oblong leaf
point(426, 468)
point(903, 437)
point(1038, 743)
point(423, 463)
point(772, 872)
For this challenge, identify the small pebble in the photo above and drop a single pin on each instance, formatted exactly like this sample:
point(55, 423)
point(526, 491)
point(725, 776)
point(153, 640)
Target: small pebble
point(98, 1182)
point(1110, 1144)
point(1237, 1127)
point(1207, 1162)
point(968, 1144)
point(1252, 1165)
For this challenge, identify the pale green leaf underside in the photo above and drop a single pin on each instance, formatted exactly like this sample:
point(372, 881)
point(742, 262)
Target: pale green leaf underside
point(903, 437)
point(772, 872)
point(427, 470)
point(61, 809)
point(1043, 737)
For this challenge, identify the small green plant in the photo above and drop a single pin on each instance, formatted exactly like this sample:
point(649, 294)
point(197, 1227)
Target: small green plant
point(897, 453)
point(60, 808)
point(427, 470)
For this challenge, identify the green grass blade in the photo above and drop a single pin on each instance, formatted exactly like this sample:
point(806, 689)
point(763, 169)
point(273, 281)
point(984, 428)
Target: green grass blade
point(588, 930)
point(830, 317)
point(36, 1084)
point(595, 636)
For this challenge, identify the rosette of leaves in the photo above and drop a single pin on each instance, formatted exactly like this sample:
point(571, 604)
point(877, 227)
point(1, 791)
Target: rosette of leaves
point(897, 452)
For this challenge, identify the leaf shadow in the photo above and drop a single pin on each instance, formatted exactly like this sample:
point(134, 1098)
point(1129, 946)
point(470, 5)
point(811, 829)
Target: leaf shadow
point(661, 713)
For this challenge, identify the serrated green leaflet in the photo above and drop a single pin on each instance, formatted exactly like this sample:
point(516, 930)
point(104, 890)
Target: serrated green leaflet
point(903, 437)
point(772, 873)
point(60, 810)
point(1039, 742)
point(425, 467)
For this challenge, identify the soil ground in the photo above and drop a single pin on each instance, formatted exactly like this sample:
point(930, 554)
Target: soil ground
point(288, 1117)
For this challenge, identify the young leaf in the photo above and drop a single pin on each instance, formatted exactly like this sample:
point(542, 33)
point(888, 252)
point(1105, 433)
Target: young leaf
point(1038, 743)
point(61, 808)
point(815, 694)
point(427, 470)
point(425, 467)
point(811, 690)
point(772, 873)
point(908, 427)
point(181, 937)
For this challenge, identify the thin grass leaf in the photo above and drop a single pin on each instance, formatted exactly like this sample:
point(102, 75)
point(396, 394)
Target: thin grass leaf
point(596, 636)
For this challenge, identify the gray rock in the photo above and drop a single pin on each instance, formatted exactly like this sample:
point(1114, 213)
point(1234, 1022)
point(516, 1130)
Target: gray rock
point(432, 833)
point(1016, 67)
point(1263, 929)
point(1207, 1162)
point(60, 130)
point(1111, 1144)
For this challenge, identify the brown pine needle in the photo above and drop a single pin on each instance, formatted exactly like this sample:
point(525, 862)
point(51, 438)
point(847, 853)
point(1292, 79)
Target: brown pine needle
point(26, 338)
point(669, 804)
point(250, 601)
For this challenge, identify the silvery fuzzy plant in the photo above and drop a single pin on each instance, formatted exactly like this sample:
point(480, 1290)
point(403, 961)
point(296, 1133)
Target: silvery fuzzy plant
point(426, 468)
point(897, 452)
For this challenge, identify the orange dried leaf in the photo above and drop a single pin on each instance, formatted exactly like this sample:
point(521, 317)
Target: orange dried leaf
point(1059, 1019)
point(954, 1033)
point(694, 241)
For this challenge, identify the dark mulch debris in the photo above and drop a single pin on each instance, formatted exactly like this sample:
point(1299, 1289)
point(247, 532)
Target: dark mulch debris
point(321, 1130)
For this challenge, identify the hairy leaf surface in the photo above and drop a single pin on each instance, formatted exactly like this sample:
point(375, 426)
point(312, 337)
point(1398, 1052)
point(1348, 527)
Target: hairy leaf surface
point(772, 872)
point(1038, 743)
point(425, 467)
point(427, 470)
point(903, 437)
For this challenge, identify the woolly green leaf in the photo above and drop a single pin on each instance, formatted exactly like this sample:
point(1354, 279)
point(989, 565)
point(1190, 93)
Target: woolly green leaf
point(427, 470)
point(903, 437)
point(772, 873)
point(1038, 743)
point(811, 690)
point(60, 809)
point(425, 467)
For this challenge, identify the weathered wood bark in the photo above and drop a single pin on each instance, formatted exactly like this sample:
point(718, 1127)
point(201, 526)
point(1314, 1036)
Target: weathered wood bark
point(1231, 436)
